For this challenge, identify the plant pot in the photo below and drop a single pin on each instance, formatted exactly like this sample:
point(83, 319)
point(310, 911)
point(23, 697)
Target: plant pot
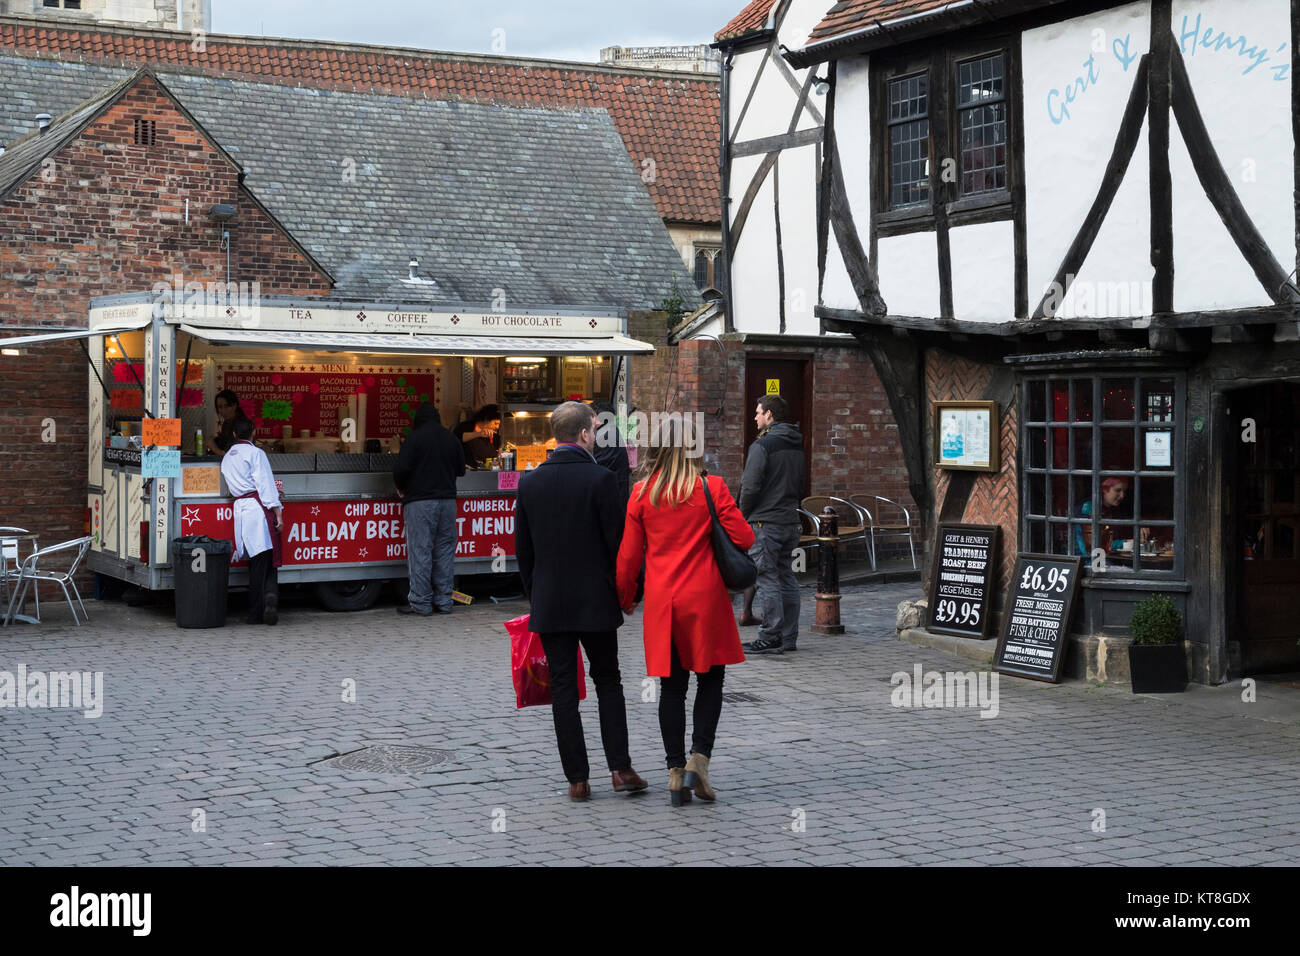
point(1157, 668)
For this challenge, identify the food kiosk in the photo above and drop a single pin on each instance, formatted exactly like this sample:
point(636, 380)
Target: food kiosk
point(332, 388)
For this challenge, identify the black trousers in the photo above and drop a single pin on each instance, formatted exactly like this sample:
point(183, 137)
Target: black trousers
point(672, 711)
point(262, 580)
point(602, 654)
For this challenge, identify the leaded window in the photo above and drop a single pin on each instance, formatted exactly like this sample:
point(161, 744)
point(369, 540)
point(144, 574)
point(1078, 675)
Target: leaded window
point(982, 124)
point(909, 140)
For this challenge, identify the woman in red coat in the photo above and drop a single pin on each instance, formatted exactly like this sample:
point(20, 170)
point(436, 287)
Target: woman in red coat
point(689, 625)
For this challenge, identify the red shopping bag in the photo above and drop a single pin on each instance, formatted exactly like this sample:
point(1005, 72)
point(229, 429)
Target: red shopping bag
point(532, 675)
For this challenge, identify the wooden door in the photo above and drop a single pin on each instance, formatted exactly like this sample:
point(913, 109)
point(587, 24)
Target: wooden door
point(791, 378)
point(1269, 519)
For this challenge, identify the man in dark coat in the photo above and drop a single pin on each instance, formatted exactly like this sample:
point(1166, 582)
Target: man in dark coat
point(611, 449)
point(568, 526)
point(427, 468)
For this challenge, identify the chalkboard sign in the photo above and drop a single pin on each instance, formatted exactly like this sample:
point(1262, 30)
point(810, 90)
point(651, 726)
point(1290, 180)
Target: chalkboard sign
point(961, 590)
point(1040, 599)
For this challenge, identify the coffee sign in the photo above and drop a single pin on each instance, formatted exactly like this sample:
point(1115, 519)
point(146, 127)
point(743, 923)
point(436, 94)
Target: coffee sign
point(961, 591)
point(1040, 601)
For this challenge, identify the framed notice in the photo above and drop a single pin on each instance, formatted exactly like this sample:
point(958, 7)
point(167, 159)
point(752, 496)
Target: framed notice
point(966, 435)
point(1040, 600)
point(961, 589)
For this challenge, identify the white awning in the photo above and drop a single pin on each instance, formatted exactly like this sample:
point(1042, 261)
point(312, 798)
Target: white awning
point(400, 344)
point(71, 335)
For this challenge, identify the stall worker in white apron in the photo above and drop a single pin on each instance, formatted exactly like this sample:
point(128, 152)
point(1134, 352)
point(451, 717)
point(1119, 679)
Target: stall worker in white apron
point(258, 521)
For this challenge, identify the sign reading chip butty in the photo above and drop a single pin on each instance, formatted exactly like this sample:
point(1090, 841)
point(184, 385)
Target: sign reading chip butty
point(961, 588)
point(1040, 600)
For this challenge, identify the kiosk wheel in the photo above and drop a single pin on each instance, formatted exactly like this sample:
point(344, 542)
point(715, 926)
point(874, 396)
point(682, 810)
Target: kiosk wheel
point(348, 595)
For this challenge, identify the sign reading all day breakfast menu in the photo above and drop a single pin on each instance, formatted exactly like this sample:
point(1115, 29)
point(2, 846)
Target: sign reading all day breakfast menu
point(961, 591)
point(308, 397)
point(1040, 600)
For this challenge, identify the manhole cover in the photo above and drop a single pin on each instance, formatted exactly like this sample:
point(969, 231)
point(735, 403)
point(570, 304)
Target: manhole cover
point(392, 759)
point(739, 697)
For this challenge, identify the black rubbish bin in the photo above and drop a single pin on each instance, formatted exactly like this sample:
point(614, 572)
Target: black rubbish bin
point(202, 569)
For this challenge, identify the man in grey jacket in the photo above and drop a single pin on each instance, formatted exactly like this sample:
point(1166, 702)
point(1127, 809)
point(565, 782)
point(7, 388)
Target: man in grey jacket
point(770, 491)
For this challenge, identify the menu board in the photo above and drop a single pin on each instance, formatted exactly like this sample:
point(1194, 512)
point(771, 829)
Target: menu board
point(961, 590)
point(1039, 603)
point(307, 397)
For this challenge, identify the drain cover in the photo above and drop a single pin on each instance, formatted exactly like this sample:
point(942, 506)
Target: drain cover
point(392, 759)
point(739, 697)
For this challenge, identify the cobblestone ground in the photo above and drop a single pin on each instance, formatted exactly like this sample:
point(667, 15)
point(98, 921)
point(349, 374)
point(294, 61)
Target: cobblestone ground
point(240, 724)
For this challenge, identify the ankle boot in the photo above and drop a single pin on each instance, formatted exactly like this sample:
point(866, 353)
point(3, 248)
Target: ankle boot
point(697, 777)
point(677, 794)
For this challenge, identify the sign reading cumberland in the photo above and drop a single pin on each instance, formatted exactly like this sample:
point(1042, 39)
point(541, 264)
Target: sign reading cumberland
point(961, 590)
point(1040, 601)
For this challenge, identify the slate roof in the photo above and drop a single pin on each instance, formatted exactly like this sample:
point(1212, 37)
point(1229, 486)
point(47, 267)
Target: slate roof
point(752, 19)
point(672, 118)
point(544, 204)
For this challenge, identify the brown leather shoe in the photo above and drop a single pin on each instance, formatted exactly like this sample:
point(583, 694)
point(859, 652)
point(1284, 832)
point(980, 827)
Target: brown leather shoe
point(627, 780)
point(580, 790)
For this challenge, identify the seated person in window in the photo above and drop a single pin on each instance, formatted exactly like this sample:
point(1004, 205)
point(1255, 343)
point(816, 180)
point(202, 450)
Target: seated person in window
point(228, 412)
point(1114, 491)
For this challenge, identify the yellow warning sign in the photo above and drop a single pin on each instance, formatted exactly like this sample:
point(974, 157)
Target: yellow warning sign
point(774, 386)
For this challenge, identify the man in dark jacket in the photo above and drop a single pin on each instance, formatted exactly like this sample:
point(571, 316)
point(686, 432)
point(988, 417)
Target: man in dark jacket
point(427, 468)
point(770, 491)
point(568, 526)
point(611, 449)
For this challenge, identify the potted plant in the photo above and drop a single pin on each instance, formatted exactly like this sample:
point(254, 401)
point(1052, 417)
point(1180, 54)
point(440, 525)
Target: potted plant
point(1157, 663)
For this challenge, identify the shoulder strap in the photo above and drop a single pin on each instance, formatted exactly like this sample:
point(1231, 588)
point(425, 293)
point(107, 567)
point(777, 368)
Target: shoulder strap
point(713, 512)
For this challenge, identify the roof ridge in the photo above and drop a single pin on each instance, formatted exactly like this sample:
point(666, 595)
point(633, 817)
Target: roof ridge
point(309, 45)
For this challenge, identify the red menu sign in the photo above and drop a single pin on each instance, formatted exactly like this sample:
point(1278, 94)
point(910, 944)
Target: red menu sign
point(309, 396)
point(363, 532)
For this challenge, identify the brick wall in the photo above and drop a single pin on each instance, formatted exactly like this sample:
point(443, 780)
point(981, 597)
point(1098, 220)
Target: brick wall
point(107, 217)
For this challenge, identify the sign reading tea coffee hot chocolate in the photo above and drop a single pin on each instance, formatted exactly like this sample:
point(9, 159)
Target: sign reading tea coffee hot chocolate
point(961, 591)
point(1037, 621)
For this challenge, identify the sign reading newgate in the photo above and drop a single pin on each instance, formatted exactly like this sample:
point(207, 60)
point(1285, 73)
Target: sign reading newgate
point(1037, 621)
point(961, 589)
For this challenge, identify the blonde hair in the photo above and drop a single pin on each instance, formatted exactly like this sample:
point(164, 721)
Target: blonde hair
point(673, 476)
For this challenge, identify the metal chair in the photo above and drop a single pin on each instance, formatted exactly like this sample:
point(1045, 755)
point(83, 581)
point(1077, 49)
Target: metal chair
point(31, 572)
point(868, 503)
point(807, 518)
point(853, 522)
point(10, 560)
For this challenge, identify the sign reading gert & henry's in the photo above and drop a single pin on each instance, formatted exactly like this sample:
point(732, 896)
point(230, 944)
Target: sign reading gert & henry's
point(1036, 625)
point(961, 591)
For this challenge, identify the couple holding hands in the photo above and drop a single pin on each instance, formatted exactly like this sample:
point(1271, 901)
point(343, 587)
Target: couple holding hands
point(581, 550)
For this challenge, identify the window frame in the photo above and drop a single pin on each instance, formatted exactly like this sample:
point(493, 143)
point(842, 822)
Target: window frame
point(944, 116)
point(1028, 471)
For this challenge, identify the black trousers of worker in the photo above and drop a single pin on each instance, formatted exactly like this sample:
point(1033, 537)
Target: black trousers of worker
point(562, 660)
point(706, 713)
point(262, 580)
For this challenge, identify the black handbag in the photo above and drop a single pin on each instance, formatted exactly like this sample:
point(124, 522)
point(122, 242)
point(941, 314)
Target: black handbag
point(737, 567)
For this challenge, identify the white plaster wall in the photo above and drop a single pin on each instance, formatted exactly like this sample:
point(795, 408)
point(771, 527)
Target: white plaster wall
point(754, 272)
point(852, 133)
point(1066, 156)
point(984, 288)
point(1247, 110)
point(837, 288)
point(909, 274)
point(799, 238)
point(744, 67)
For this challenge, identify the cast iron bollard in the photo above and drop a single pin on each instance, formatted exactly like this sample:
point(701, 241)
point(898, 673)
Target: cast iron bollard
point(827, 620)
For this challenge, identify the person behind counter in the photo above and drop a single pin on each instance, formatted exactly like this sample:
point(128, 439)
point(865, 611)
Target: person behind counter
point(228, 412)
point(427, 468)
point(259, 519)
point(482, 444)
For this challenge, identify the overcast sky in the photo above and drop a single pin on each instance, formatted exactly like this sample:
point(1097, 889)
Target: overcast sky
point(552, 29)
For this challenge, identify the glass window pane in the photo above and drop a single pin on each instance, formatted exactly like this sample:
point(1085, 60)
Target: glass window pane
point(1037, 402)
point(1157, 549)
point(1083, 448)
point(1037, 439)
point(1038, 537)
point(1116, 499)
point(1060, 496)
point(1157, 449)
point(1117, 449)
point(979, 81)
point(1157, 499)
point(908, 97)
point(1117, 399)
point(1061, 448)
point(1037, 503)
point(908, 161)
point(1060, 395)
point(1157, 399)
point(982, 140)
point(1283, 539)
point(1081, 540)
point(1061, 540)
point(1083, 399)
point(1081, 502)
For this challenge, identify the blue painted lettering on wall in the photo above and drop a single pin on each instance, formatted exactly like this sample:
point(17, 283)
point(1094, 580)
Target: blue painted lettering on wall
point(1192, 39)
point(1058, 103)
